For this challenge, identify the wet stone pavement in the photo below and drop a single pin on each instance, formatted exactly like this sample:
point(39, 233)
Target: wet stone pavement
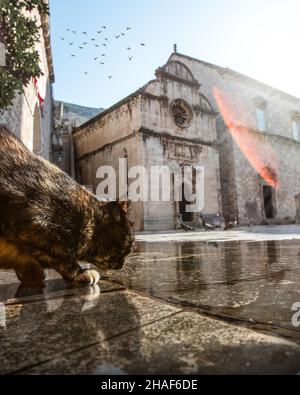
point(207, 303)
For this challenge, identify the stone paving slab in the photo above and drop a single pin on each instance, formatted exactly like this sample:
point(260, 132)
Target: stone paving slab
point(156, 326)
point(184, 343)
point(55, 287)
point(37, 331)
point(253, 283)
point(254, 233)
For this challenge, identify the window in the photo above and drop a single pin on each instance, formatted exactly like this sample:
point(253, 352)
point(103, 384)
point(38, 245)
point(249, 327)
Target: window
point(181, 113)
point(261, 108)
point(261, 119)
point(296, 129)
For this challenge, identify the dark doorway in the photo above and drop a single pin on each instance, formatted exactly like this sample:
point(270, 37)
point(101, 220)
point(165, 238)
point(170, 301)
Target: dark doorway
point(186, 216)
point(268, 196)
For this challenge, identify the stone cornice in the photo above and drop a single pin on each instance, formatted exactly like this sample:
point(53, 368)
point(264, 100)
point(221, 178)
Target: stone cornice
point(104, 147)
point(147, 95)
point(79, 132)
point(161, 73)
point(146, 133)
point(289, 140)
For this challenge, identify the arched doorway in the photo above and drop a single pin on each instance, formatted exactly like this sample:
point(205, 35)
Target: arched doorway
point(37, 132)
point(269, 201)
point(185, 215)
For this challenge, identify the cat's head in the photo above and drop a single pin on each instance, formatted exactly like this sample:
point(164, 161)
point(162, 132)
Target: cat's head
point(112, 240)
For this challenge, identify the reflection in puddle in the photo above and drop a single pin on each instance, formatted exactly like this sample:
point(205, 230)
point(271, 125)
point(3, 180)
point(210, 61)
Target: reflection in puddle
point(252, 281)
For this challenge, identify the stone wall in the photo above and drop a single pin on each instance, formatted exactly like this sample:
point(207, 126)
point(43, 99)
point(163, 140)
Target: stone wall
point(159, 151)
point(25, 117)
point(241, 184)
point(109, 127)
point(142, 126)
point(233, 183)
point(109, 155)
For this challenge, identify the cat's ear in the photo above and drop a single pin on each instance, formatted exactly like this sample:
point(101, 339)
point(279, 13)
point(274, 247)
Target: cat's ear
point(125, 206)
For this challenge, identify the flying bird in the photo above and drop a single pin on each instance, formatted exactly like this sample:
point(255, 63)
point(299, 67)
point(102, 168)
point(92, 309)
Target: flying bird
point(128, 49)
point(110, 77)
point(123, 34)
point(142, 44)
point(96, 58)
point(102, 63)
point(104, 45)
point(96, 45)
point(106, 39)
point(130, 58)
point(85, 33)
point(73, 56)
point(62, 39)
point(128, 28)
point(80, 47)
point(85, 43)
point(117, 37)
point(85, 73)
point(103, 55)
point(93, 39)
point(99, 31)
point(74, 32)
point(103, 27)
point(68, 30)
point(71, 43)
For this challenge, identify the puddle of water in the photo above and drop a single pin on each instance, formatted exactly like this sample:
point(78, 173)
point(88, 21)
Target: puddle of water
point(254, 282)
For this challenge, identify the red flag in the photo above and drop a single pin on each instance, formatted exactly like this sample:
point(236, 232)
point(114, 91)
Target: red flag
point(38, 84)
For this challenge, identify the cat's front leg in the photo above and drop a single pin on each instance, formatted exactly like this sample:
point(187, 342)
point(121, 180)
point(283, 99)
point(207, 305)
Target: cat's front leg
point(73, 274)
point(30, 273)
point(86, 277)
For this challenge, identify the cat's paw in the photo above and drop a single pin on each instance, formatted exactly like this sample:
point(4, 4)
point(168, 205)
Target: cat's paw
point(86, 278)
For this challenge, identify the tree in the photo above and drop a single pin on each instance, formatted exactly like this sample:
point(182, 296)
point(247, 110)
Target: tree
point(20, 32)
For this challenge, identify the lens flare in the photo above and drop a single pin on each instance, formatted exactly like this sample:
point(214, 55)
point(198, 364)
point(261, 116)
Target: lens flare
point(253, 145)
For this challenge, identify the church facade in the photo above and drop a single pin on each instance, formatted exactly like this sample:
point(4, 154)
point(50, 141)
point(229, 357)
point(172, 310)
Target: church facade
point(245, 134)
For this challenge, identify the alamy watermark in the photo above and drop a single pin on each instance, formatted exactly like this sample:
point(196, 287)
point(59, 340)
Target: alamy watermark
point(296, 316)
point(154, 184)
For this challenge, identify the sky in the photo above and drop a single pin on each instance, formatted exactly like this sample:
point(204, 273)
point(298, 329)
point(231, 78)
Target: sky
point(259, 38)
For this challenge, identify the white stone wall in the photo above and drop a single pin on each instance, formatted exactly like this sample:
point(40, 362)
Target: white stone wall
point(156, 113)
point(142, 125)
point(109, 127)
point(232, 185)
point(109, 155)
point(163, 215)
point(19, 118)
point(241, 185)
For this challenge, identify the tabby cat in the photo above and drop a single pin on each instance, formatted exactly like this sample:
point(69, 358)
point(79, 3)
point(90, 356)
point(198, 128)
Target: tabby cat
point(47, 220)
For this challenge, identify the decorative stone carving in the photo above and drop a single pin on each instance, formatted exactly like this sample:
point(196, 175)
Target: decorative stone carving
point(182, 151)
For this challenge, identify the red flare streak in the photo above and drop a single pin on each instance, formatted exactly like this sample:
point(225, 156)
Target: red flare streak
point(256, 149)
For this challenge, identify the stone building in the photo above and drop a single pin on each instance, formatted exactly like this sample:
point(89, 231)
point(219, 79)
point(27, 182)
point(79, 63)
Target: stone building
point(31, 115)
point(244, 133)
point(66, 117)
